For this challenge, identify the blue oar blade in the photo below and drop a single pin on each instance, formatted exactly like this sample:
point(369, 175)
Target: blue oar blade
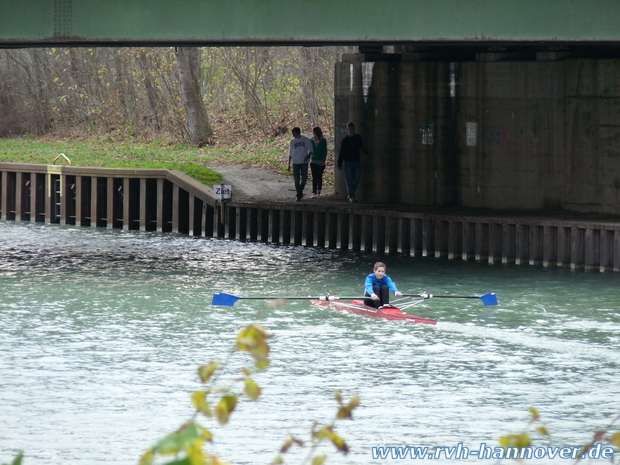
point(489, 299)
point(226, 300)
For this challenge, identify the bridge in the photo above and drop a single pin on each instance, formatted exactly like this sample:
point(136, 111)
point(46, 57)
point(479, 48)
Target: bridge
point(278, 22)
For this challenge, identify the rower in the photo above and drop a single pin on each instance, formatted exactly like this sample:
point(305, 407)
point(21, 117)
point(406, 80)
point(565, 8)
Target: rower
point(378, 286)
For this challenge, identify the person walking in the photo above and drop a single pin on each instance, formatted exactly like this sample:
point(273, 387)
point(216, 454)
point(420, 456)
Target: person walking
point(299, 153)
point(317, 160)
point(350, 156)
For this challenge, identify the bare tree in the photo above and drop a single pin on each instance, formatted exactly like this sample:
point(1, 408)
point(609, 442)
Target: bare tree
point(188, 63)
point(153, 91)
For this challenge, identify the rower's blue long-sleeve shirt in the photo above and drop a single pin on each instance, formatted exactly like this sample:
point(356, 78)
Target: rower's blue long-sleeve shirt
point(371, 280)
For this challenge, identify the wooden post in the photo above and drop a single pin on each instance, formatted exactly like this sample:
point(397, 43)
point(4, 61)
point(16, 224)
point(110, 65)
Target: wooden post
point(576, 248)
point(415, 235)
point(271, 226)
point(110, 202)
point(467, 241)
point(191, 220)
point(427, 237)
point(78, 201)
point(616, 251)
point(535, 245)
point(441, 238)
point(18, 196)
point(5, 195)
point(64, 191)
point(364, 222)
point(591, 249)
point(508, 243)
point(340, 238)
point(34, 189)
point(549, 245)
point(160, 205)
point(175, 208)
point(482, 241)
point(93, 201)
point(126, 204)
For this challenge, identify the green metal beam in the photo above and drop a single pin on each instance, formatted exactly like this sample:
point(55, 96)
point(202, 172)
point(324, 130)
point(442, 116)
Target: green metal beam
point(215, 22)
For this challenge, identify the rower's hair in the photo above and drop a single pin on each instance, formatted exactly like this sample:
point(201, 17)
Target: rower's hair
point(379, 264)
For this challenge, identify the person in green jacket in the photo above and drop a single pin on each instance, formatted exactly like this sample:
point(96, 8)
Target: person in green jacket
point(317, 160)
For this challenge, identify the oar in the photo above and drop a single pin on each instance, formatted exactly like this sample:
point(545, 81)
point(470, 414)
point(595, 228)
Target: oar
point(228, 300)
point(487, 299)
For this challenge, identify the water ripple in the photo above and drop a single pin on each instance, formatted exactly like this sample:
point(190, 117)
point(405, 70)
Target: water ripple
point(102, 332)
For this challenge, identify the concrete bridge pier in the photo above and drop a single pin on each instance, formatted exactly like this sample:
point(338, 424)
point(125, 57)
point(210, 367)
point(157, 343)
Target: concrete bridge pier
point(501, 131)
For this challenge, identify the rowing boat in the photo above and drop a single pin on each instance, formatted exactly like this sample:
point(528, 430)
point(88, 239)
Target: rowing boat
point(358, 307)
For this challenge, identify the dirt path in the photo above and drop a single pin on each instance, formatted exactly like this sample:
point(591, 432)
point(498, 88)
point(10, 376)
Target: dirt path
point(257, 183)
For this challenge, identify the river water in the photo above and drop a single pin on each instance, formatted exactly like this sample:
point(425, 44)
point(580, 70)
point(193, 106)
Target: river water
point(101, 333)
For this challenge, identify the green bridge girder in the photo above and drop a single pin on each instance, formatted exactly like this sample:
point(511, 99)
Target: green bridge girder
point(284, 22)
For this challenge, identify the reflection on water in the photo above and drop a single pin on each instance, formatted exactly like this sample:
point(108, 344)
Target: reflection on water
point(102, 332)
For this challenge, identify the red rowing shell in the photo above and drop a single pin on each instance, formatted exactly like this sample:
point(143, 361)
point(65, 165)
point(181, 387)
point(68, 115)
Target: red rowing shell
point(358, 307)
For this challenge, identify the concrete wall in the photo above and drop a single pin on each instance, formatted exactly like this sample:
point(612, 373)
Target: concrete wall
point(516, 110)
point(592, 163)
point(503, 135)
point(400, 111)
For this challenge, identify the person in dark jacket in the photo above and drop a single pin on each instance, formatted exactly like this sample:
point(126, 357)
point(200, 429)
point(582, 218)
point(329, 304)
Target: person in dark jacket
point(350, 156)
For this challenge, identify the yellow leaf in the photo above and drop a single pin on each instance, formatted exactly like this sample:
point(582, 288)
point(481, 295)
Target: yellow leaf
point(534, 413)
point(253, 339)
point(319, 460)
point(252, 390)
point(147, 458)
point(615, 439)
point(206, 371)
point(323, 433)
point(225, 407)
point(343, 412)
point(199, 399)
point(195, 454)
point(215, 460)
point(346, 411)
point(278, 460)
point(339, 443)
point(515, 440)
point(205, 434)
point(542, 430)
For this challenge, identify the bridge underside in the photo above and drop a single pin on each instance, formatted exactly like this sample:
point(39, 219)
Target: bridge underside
point(280, 22)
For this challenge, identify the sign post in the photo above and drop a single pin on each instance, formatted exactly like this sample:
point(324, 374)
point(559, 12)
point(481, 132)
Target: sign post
point(222, 191)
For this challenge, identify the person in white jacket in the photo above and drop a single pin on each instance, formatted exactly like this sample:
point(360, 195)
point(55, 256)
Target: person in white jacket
point(299, 154)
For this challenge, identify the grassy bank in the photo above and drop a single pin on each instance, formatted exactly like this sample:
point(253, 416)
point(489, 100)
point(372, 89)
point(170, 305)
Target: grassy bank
point(111, 153)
